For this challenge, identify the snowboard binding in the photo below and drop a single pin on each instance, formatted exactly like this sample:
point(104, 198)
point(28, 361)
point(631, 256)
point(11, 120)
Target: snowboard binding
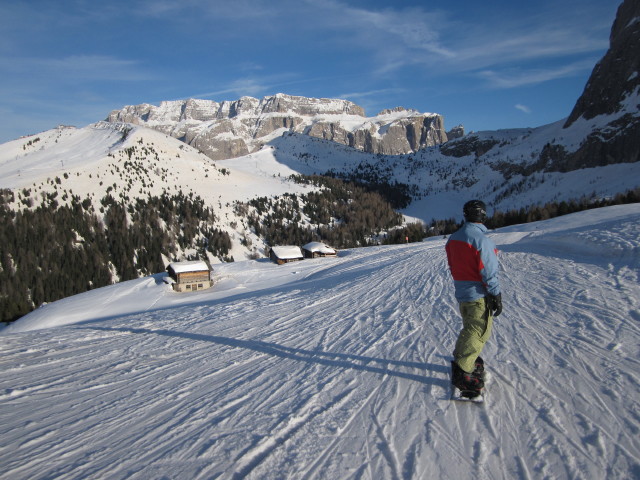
point(469, 385)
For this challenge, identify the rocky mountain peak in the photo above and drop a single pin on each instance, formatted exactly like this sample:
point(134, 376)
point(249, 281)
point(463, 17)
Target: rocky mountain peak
point(303, 106)
point(388, 111)
point(234, 128)
point(611, 101)
point(617, 75)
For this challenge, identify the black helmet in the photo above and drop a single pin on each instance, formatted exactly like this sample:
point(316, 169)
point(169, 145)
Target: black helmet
point(475, 211)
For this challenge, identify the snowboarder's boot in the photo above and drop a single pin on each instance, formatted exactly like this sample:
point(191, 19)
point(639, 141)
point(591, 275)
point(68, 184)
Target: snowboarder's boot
point(468, 384)
point(478, 372)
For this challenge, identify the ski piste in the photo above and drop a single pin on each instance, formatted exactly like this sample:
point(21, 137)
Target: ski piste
point(331, 369)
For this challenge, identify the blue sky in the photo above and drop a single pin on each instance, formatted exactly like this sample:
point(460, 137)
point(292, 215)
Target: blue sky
point(486, 65)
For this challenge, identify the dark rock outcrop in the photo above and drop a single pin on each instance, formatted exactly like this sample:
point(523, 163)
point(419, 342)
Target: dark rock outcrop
point(616, 76)
point(613, 90)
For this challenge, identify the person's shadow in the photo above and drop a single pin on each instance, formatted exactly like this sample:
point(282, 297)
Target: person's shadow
point(341, 360)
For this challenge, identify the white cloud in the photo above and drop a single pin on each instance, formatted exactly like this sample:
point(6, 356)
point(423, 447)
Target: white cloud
point(370, 93)
point(440, 44)
point(523, 108)
point(512, 78)
point(254, 86)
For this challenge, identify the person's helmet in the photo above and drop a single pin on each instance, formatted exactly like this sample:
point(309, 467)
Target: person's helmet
point(475, 211)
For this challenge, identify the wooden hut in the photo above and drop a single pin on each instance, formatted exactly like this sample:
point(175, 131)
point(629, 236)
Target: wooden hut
point(318, 249)
point(190, 276)
point(285, 254)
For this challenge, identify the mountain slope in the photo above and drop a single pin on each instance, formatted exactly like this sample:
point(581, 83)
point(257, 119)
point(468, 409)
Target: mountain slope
point(613, 92)
point(602, 129)
point(337, 368)
point(139, 161)
point(33, 159)
point(129, 163)
point(494, 166)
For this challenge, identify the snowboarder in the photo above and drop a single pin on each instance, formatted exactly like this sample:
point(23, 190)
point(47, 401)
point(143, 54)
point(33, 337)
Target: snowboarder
point(473, 263)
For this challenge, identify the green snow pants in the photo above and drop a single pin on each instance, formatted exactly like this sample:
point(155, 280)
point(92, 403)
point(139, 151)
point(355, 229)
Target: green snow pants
point(476, 330)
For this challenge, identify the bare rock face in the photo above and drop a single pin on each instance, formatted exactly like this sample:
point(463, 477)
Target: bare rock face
point(231, 129)
point(602, 129)
point(329, 131)
point(613, 93)
point(617, 75)
point(305, 107)
point(384, 134)
point(456, 132)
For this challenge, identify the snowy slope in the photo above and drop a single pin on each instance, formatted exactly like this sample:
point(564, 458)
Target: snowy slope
point(337, 368)
point(443, 182)
point(50, 153)
point(130, 162)
point(90, 160)
point(90, 155)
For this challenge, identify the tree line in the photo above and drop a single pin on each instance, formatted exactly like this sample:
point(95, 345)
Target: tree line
point(415, 232)
point(339, 213)
point(54, 251)
point(556, 209)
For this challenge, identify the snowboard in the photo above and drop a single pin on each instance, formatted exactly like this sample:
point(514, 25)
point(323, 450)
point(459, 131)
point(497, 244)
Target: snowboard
point(468, 396)
point(458, 395)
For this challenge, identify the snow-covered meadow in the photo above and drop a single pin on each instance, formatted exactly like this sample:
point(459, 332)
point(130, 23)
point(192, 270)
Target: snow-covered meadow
point(337, 368)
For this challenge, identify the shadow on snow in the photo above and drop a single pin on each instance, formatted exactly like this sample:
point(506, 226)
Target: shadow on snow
point(340, 360)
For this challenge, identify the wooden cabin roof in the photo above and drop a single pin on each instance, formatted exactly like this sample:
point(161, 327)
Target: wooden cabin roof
point(287, 252)
point(188, 266)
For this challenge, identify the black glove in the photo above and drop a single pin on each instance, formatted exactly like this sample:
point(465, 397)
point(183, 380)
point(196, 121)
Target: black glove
point(494, 304)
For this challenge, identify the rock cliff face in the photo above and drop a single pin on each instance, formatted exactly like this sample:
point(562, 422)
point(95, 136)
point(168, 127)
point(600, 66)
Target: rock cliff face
point(616, 76)
point(231, 129)
point(613, 90)
point(456, 132)
point(602, 129)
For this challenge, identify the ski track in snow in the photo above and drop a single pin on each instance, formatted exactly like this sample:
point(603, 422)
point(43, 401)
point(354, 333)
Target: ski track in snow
point(340, 369)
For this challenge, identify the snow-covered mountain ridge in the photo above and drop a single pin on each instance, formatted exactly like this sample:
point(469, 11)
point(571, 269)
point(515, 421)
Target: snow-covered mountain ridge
point(165, 200)
point(232, 129)
point(573, 157)
point(89, 162)
point(594, 153)
point(130, 163)
point(338, 368)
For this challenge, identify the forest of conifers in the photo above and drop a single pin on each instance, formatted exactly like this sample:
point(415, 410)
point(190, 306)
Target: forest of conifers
point(53, 251)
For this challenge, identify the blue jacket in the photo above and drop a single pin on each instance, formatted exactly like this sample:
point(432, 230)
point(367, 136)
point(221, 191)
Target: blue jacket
point(473, 262)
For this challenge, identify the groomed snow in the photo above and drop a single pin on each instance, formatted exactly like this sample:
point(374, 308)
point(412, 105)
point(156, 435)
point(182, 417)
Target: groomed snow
point(339, 370)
